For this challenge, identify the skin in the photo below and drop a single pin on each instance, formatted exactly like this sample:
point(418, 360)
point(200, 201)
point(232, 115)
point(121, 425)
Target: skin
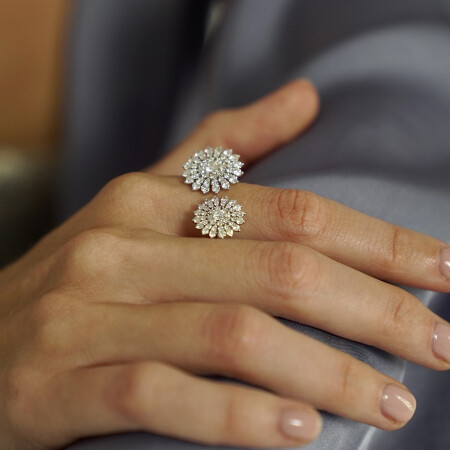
point(107, 324)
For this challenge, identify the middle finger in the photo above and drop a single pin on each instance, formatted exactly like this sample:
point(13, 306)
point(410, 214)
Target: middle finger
point(248, 345)
point(370, 245)
point(284, 279)
point(295, 282)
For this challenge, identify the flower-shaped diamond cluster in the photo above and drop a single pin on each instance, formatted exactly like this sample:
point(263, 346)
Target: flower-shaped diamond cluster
point(219, 218)
point(212, 169)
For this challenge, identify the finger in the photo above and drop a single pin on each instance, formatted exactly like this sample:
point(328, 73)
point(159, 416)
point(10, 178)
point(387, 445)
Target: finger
point(151, 396)
point(286, 280)
point(370, 245)
point(246, 344)
point(251, 131)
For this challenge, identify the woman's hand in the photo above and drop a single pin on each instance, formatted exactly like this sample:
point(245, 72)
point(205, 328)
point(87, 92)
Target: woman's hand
point(106, 323)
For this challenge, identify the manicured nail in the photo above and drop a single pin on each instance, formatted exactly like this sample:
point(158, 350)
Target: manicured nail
point(397, 404)
point(300, 425)
point(441, 341)
point(444, 262)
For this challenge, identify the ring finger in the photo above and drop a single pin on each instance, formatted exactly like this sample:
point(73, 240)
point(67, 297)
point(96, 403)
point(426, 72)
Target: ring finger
point(247, 344)
point(284, 279)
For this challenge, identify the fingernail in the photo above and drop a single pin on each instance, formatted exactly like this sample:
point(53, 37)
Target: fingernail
point(441, 341)
point(397, 404)
point(444, 262)
point(300, 425)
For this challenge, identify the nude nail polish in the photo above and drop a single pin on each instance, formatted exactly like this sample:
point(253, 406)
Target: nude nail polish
point(444, 262)
point(397, 404)
point(300, 425)
point(441, 341)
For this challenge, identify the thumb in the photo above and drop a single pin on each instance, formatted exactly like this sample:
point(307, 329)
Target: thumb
point(251, 131)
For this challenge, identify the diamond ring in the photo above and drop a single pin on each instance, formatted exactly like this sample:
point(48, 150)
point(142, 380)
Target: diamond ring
point(212, 169)
point(219, 218)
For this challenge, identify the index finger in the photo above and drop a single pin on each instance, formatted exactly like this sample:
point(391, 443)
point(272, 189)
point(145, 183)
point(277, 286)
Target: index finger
point(252, 130)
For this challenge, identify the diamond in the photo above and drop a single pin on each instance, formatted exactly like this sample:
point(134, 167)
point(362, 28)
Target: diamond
point(212, 169)
point(213, 232)
point(215, 186)
point(224, 183)
point(205, 186)
point(228, 230)
point(218, 218)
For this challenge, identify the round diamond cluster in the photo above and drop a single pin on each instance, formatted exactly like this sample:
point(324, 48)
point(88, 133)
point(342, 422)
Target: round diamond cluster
point(212, 169)
point(219, 218)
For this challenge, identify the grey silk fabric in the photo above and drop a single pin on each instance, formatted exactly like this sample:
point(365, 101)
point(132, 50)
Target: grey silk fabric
point(381, 144)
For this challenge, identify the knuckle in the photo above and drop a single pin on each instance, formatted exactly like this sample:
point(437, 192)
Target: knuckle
point(298, 214)
point(127, 185)
point(51, 321)
point(15, 382)
point(94, 253)
point(19, 388)
point(231, 334)
point(398, 249)
point(285, 269)
point(403, 313)
point(398, 311)
point(46, 310)
point(134, 388)
point(233, 425)
point(122, 197)
point(347, 374)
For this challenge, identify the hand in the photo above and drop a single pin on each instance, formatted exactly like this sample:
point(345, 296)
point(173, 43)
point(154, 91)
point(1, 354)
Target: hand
point(106, 324)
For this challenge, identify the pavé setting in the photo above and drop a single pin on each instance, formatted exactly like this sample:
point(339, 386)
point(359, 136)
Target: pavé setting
point(219, 217)
point(212, 169)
